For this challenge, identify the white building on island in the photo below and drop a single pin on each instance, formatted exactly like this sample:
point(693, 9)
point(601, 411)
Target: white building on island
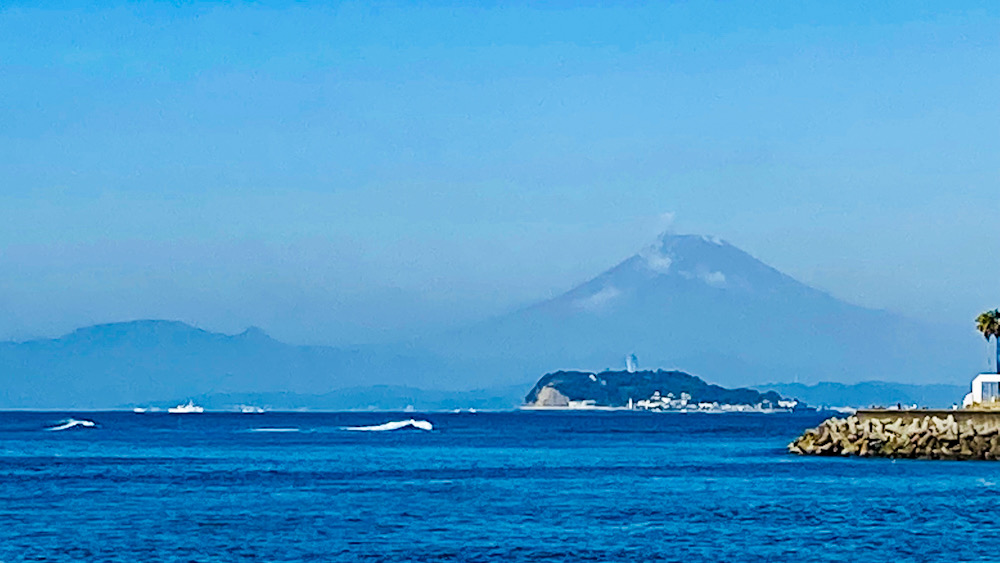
point(985, 390)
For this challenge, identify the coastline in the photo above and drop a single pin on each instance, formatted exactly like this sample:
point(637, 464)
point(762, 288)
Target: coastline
point(596, 408)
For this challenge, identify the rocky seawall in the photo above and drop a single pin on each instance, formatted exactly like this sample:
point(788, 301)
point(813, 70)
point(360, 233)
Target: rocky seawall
point(916, 437)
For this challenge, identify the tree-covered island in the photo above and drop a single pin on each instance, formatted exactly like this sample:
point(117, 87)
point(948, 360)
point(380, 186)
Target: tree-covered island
point(647, 390)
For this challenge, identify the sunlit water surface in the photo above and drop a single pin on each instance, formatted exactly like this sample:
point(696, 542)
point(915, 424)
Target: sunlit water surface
point(478, 487)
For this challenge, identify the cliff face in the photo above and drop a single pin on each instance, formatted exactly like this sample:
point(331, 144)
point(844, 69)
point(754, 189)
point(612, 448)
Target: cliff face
point(549, 396)
point(615, 388)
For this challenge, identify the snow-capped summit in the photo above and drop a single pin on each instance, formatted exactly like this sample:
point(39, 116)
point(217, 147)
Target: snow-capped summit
point(679, 263)
point(700, 303)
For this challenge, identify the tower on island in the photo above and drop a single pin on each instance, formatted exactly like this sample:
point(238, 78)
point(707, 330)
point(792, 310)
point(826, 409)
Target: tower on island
point(631, 363)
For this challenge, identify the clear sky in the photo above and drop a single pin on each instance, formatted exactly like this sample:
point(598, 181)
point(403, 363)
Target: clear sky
point(372, 170)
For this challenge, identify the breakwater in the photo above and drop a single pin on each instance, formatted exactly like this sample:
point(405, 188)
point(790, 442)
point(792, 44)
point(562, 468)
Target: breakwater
point(906, 434)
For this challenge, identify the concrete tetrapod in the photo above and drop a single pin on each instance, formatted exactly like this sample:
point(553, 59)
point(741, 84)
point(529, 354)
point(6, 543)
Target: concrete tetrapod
point(926, 437)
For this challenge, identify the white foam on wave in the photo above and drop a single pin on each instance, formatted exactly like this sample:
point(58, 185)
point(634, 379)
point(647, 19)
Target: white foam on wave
point(274, 429)
point(72, 423)
point(396, 425)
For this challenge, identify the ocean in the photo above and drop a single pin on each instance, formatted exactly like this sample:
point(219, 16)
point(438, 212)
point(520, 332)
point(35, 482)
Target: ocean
point(519, 486)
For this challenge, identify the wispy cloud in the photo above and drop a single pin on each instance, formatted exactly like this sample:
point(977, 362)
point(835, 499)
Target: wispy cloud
point(714, 279)
point(599, 300)
point(656, 260)
point(665, 222)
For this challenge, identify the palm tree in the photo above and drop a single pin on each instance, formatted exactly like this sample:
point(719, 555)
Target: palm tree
point(989, 324)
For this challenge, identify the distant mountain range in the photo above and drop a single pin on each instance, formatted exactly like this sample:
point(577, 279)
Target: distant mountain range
point(399, 398)
point(688, 302)
point(145, 361)
point(365, 398)
point(871, 393)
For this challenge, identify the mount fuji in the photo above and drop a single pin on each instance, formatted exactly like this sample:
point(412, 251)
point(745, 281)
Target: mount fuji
point(702, 305)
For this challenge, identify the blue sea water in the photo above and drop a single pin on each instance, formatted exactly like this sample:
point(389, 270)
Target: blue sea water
point(529, 486)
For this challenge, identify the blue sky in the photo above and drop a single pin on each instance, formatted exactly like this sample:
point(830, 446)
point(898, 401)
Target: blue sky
point(363, 171)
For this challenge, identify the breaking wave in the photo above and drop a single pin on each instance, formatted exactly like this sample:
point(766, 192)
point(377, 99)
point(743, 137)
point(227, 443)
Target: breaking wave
point(274, 429)
point(72, 423)
point(396, 425)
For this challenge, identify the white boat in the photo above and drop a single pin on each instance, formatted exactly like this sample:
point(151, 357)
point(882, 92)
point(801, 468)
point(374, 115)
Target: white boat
point(189, 408)
point(250, 409)
point(139, 410)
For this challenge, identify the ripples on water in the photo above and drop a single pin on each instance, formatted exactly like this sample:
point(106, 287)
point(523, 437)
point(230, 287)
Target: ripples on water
point(478, 487)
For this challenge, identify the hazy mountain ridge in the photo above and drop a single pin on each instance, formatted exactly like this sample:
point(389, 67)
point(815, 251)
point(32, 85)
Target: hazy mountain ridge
point(393, 398)
point(868, 393)
point(687, 302)
point(143, 361)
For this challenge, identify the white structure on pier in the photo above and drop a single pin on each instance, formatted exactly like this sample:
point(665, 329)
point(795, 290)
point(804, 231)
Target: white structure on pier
point(985, 390)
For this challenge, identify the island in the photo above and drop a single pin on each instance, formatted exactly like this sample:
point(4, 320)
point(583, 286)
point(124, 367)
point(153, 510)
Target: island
point(659, 390)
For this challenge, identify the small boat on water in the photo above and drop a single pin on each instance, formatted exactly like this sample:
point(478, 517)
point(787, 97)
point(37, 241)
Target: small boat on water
point(251, 409)
point(189, 408)
point(139, 410)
